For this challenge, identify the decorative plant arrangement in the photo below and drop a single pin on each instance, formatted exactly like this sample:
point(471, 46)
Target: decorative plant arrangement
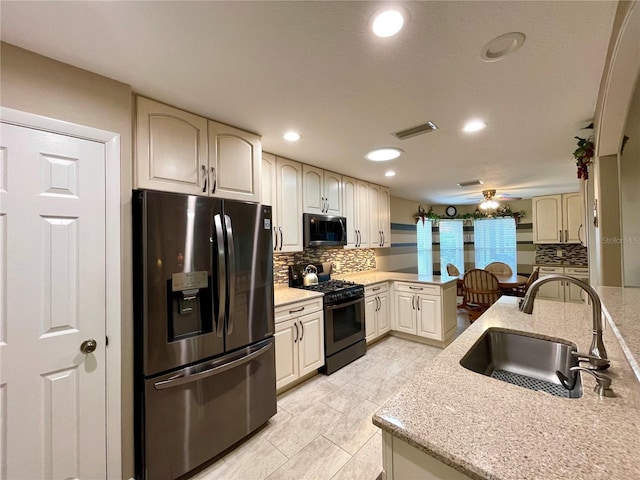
point(584, 156)
point(503, 211)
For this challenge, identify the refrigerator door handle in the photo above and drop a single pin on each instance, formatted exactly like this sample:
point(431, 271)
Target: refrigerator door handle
point(232, 273)
point(222, 274)
point(182, 379)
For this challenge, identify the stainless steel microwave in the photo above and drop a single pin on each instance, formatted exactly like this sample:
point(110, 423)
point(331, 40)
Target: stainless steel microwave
point(324, 230)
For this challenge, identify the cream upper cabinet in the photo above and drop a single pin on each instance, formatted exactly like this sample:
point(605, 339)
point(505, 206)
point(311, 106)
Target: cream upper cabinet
point(171, 149)
point(362, 214)
point(268, 192)
point(557, 218)
point(375, 234)
point(322, 191)
point(349, 202)
point(379, 216)
point(312, 190)
point(333, 193)
point(288, 205)
point(177, 151)
point(234, 163)
point(385, 216)
point(572, 218)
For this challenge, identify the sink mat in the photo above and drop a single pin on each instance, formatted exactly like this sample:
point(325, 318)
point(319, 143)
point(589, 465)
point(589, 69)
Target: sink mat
point(530, 383)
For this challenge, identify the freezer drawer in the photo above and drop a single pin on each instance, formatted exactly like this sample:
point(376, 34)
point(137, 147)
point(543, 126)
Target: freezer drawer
point(195, 413)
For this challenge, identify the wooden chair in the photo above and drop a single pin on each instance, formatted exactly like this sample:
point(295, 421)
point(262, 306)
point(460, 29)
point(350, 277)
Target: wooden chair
point(481, 290)
point(499, 267)
point(453, 271)
point(522, 290)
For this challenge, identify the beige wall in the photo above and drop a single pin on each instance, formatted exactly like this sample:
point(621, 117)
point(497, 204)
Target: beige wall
point(36, 84)
point(630, 195)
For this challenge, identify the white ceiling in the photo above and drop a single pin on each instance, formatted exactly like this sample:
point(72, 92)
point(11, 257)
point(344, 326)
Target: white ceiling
point(315, 67)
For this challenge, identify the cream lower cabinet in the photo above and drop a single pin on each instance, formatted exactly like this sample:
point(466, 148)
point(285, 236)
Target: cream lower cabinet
point(299, 340)
point(377, 312)
point(563, 291)
point(401, 461)
point(427, 311)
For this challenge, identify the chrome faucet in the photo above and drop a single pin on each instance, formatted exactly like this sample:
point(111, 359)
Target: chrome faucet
point(597, 356)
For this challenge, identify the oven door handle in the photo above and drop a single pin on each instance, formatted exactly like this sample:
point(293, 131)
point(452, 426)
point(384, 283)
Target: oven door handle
point(346, 304)
point(182, 379)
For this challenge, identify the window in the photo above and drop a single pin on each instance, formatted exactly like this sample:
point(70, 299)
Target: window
point(495, 241)
point(425, 254)
point(451, 244)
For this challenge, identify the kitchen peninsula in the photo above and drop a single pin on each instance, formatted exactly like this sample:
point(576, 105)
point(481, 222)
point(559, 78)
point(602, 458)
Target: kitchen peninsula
point(461, 424)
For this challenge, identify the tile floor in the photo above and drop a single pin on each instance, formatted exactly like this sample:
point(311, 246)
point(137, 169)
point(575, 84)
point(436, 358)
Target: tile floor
point(323, 428)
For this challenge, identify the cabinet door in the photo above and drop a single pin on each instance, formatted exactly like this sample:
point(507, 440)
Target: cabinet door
point(171, 149)
point(385, 216)
point(429, 317)
point(571, 217)
point(383, 320)
point(573, 293)
point(286, 341)
point(312, 190)
point(349, 202)
point(547, 219)
point(268, 192)
point(333, 193)
point(289, 205)
point(234, 163)
point(405, 312)
point(375, 234)
point(362, 213)
point(370, 312)
point(551, 290)
point(311, 344)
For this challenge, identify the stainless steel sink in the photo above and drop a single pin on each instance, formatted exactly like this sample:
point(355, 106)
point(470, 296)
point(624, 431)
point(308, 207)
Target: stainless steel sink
point(525, 361)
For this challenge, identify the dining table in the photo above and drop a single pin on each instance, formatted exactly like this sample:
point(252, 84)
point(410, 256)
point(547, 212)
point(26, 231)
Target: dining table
point(506, 280)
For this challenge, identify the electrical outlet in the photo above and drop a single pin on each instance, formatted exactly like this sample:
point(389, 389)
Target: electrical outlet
point(559, 253)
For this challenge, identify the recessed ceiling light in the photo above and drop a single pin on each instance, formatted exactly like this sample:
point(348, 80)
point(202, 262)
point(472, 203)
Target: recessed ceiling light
point(390, 173)
point(474, 126)
point(501, 46)
point(387, 23)
point(292, 136)
point(383, 154)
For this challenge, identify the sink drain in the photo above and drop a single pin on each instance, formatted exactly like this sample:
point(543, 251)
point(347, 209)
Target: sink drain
point(531, 383)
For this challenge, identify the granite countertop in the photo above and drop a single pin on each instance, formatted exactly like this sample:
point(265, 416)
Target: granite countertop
point(371, 277)
point(489, 429)
point(561, 264)
point(622, 307)
point(284, 295)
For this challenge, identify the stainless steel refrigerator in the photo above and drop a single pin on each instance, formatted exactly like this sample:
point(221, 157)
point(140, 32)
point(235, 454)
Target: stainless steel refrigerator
point(203, 325)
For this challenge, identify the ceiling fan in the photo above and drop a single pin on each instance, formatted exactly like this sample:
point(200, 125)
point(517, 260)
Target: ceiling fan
point(491, 200)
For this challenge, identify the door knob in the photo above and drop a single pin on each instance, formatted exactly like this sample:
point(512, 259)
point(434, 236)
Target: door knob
point(88, 346)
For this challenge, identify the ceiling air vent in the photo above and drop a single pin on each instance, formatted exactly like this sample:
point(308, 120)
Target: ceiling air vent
point(413, 131)
point(470, 183)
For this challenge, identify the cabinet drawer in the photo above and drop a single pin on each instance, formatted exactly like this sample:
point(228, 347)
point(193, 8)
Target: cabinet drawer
point(549, 270)
point(576, 271)
point(376, 289)
point(294, 310)
point(417, 288)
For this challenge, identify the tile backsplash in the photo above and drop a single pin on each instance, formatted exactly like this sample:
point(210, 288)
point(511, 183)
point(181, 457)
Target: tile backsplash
point(572, 253)
point(344, 261)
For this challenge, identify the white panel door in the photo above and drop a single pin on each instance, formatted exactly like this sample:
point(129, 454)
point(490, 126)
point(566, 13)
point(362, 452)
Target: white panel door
point(383, 320)
point(385, 216)
point(572, 217)
point(333, 193)
point(362, 214)
point(52, 274)
point(349, 201)
point(289, 205)
point(375, 234)
point(547, 219)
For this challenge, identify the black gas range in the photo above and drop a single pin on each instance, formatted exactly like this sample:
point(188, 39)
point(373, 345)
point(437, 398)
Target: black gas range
point(344, 325)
